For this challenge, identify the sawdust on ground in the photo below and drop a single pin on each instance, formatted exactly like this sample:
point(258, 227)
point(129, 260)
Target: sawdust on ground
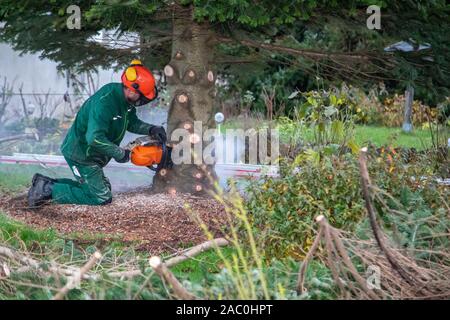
point(155, 222)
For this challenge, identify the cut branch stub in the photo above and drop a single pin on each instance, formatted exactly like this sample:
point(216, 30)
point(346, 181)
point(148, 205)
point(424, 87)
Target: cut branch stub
point(198, 175)
point(210, 76)
point(183, 99)
point(170, 73)
point(208, 79)
point(187, 125)
point(194, 138)
point(189, 77)
point(179, 55)
point(191, 74)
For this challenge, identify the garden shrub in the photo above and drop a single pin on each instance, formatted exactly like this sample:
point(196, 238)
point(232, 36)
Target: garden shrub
point(374, 107)
point(330, 118)
point(283, 210)
point(380, 108)
point(391, 112)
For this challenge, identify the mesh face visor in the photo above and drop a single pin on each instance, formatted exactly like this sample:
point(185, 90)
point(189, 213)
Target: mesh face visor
point(143, 99)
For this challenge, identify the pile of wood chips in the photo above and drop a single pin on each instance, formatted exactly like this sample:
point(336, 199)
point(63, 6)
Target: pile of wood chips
point(155, 222)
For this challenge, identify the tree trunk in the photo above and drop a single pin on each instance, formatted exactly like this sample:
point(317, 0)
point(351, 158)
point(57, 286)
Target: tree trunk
point(190, 79)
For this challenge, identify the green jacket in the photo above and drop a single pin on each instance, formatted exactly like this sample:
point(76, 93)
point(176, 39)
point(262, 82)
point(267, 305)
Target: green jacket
point(100, 126)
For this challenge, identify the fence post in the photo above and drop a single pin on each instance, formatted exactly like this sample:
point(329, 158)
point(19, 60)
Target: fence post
point(409, 98)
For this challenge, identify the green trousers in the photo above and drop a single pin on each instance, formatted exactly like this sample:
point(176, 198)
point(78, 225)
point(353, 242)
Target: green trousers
point(91, 187)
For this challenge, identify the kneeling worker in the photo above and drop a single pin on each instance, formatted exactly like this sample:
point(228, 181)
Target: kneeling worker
point(94, 139)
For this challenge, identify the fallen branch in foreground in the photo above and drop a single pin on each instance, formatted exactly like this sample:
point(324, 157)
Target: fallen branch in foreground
point(376, 269)
point(15, 256)
point(75, 280)
point(196, 250)
point(30, 264)
point(379, 237)
point(338, 262)
point(163, 271)
point(27, 264)
point(162, 268)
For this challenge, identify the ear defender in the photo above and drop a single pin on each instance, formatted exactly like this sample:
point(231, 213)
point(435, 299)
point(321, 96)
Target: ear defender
point(131, 74)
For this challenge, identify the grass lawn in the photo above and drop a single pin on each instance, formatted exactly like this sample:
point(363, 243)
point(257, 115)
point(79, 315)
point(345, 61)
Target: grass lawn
point(17, 177)
point(419, 138)
point(18, 235)
point(205, 263)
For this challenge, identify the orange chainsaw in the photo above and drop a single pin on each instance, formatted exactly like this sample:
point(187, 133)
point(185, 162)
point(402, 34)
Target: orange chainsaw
point(148, 152)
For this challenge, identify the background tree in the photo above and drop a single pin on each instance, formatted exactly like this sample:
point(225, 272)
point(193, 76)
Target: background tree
point(194, 40)
point(5, 98)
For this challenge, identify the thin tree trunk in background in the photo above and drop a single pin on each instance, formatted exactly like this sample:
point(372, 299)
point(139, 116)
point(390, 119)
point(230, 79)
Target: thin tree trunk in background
point(190, 78)
point(24, 105)
point(409, 98)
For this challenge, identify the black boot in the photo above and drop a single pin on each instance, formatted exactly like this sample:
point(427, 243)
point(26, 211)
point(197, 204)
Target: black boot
point(41, 176)
point(40, 191)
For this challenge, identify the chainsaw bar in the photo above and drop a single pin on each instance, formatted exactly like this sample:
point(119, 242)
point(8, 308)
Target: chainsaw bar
point(142, 141)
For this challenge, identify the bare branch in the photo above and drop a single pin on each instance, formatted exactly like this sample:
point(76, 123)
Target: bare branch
point(161, 269)
point(365, 184)
point(77, 277)
point(297, 52)
point(192, 252)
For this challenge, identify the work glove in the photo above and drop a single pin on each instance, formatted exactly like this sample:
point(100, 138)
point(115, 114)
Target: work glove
point(125, 158)
point(158, 132)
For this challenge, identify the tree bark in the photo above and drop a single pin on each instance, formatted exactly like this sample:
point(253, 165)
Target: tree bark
point(190, 78)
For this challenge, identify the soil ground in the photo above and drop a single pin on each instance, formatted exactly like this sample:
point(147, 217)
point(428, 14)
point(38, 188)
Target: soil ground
point(156, 222)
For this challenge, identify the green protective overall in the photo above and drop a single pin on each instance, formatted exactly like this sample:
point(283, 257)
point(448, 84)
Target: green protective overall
point(92, 141)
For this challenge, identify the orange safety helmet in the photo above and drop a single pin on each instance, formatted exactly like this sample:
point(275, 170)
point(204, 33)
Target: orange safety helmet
point(146, 155)
point(140, 80)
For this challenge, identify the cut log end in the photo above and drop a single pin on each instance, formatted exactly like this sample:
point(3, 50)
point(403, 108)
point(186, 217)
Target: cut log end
point(155, 262)
point(320, 218)
point(97, 255)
